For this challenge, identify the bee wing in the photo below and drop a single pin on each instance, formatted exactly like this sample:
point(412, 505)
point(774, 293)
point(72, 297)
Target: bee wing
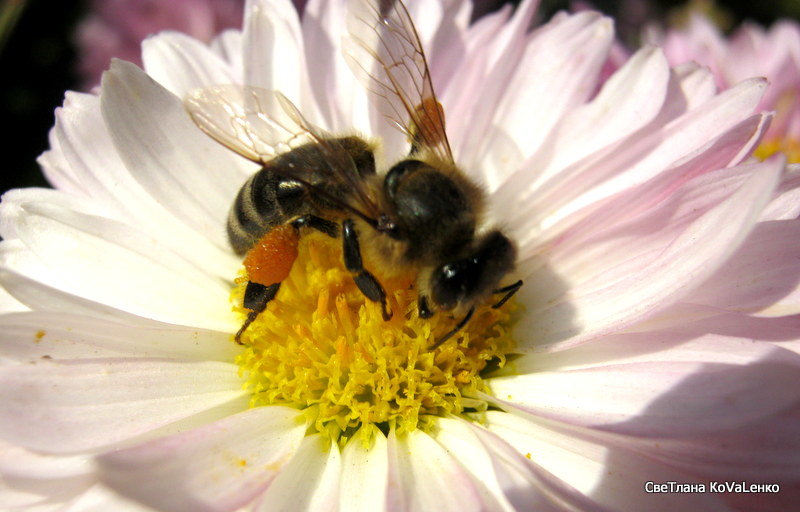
point(385, 52)
point(260, 124)
point(248, 120)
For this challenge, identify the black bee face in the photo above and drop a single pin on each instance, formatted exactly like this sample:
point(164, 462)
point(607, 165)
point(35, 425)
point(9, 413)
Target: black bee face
point(470, 278)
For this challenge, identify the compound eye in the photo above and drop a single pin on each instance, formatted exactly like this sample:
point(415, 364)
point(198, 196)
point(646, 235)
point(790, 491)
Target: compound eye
point(450, 284)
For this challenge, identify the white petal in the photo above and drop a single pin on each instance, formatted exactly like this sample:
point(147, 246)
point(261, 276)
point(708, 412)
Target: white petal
point(505, 479)
point(310, 481)
point(191, 175)
point(32, 335)
point(101, 499)
point(423, 476)
point(12, 207)
point(81, 405)
point(228, 45)
point(87, 146)
point(30, 478)
point(110, 263)
point(181, 63)
point(221, 466)
point(365, 472)
point(274, 54)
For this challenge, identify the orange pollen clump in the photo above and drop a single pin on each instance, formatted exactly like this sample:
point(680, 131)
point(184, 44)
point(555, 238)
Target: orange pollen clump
point(271, 258)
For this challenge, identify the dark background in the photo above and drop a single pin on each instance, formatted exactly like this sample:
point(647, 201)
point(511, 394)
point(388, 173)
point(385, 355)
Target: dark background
point(38, 62)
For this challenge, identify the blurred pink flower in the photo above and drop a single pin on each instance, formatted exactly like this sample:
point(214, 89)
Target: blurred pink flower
point(658, 338)
point(116, 28)
point(751, 51)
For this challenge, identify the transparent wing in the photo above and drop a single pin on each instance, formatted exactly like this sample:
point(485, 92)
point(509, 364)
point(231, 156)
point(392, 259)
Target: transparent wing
point(385, 53)
point(249, 120)
point(260, 124)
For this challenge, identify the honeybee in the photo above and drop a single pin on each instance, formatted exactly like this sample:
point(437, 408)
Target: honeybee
point(422, 214)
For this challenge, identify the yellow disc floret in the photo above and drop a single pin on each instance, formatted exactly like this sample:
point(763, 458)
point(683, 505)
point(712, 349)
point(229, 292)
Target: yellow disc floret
point(322, 347)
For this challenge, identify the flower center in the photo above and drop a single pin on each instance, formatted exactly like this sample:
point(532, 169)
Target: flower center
point(789, 147)
point(786, 109)
point(321, 346)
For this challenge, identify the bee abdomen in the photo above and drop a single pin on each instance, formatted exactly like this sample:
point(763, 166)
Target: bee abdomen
point(265, 201)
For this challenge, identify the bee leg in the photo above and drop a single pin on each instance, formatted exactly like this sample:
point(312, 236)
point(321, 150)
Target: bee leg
point(365, 281)
point(509, 291)
point(457, 328)
point(256, 297)
point(423, 307)
point(312, 221)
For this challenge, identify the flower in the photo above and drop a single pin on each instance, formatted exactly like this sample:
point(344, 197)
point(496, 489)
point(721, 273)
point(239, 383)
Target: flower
point(116, 28)
point(656, 332)
point(773, 53)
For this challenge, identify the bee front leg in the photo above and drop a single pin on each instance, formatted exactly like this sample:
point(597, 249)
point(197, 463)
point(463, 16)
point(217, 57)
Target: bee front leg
point(365, 281)
point(424, 308)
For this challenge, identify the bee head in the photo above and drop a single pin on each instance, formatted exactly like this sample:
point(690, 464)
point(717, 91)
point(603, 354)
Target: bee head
point(474, 276)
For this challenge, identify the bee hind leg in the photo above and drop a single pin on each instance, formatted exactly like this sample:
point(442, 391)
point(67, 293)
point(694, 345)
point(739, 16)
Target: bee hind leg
point(256, 298)
point(365, 281)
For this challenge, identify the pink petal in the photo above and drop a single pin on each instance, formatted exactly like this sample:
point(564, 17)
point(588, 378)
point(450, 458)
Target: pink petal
point(786, 203)
point(668, 387)
point(763, 275)
point(530, 107)
point(629, 163)
point(630, 99)
point(220, 466)
point(471, 106)
point(598, 218)
point(658, 273)
point(610, 476)
point(72, 406)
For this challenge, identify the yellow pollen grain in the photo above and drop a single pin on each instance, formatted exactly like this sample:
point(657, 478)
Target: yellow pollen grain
point(323, 348)
point(38, 336)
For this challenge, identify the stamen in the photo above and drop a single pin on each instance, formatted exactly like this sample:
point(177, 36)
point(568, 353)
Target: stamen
point(322, 347)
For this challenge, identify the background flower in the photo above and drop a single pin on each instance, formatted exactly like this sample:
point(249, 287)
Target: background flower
point(751, 50)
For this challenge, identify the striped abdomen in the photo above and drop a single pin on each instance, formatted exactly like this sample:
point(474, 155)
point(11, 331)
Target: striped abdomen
point(269, 199)
point(265, 201)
